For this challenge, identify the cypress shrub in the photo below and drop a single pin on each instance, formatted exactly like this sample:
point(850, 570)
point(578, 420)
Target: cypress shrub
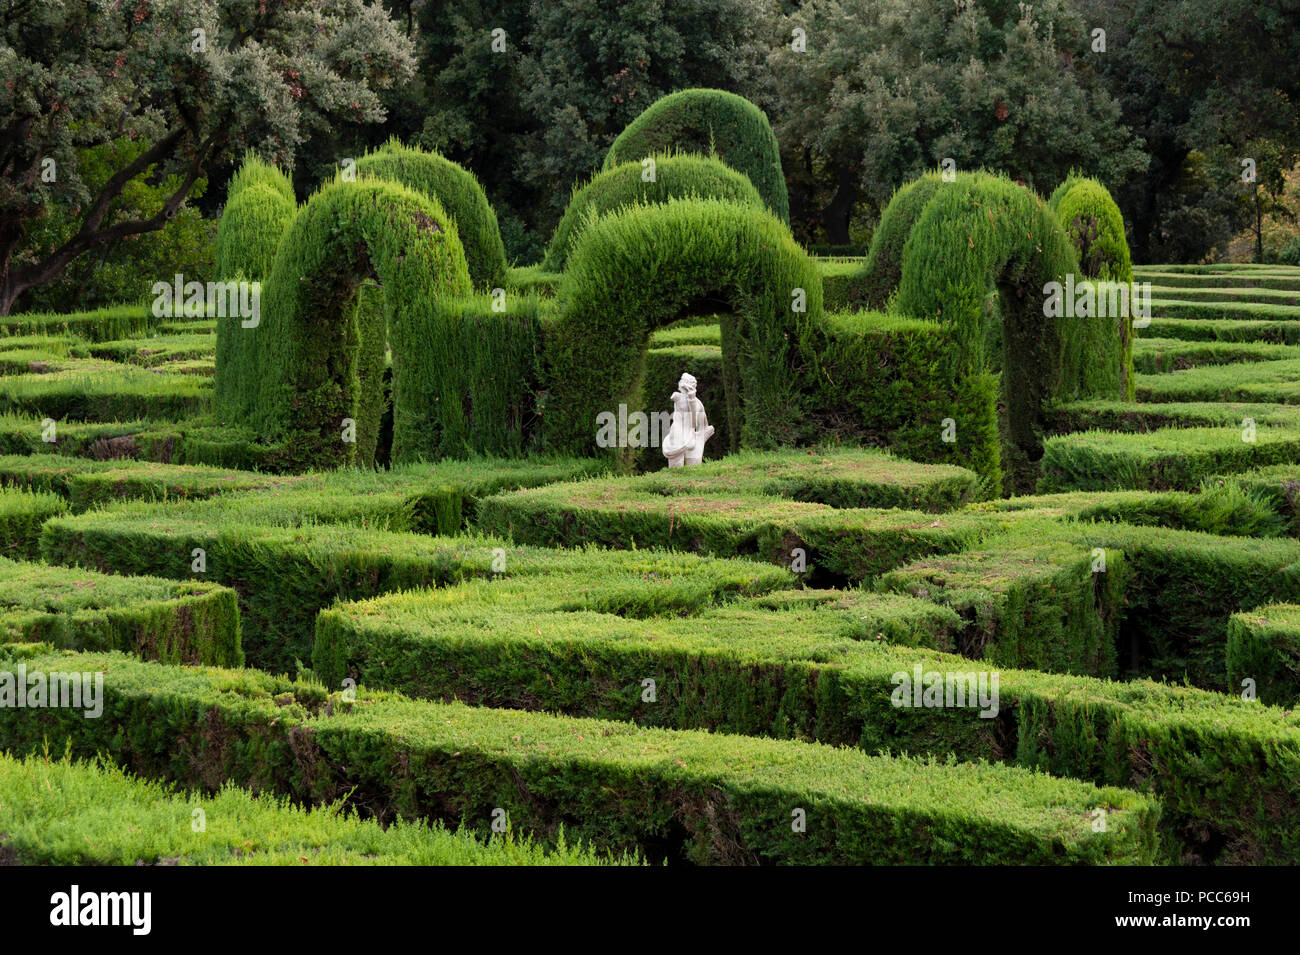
point(983, 235)
point(623, 185)
point(461, 196)
point(300, 377)
point(640, 268)
point(711, 122)
point(884, 268)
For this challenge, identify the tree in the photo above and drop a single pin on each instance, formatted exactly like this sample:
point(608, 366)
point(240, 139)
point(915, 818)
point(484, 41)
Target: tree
point(194, 81)
point(879, 91)
point(1202, 82)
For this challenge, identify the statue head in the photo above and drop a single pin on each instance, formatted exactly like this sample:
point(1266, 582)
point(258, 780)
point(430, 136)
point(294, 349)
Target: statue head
point(686, 385)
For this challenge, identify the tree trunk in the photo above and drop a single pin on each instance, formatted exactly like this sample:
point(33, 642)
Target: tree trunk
point(839, 211)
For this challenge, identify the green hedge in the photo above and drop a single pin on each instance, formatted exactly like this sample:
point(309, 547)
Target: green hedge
point(255, 219)
point(1209, 311)
point(823, 665)
point(1279, 486)
point(1167, 458)
point(484, 380)
point(92, 813)
point(681, 795)
point(1095, 226)
point(285, 575)
point(1264, 646)
point(638, 269)
point(298, 379)
point(983, 234)
point(883, 270)
point(1155, 356)
point(461, 197)
point(96, 390)
point(83, 610)
point(101, 325)
point(1026, 604)
point(22, 515)
point(709, 122)
point(1182, 590)
point(852, 544)
point(1225, 330)
point(1265, 381)
point(682, 176)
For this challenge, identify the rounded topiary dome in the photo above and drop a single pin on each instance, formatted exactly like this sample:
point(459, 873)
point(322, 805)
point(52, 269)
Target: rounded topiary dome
point(677, 176)
point(260, 205)
point(709, 122)
point(1095, 226)
point(461, 196)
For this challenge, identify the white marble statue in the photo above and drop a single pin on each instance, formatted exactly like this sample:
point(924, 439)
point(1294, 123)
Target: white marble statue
point(684, 443)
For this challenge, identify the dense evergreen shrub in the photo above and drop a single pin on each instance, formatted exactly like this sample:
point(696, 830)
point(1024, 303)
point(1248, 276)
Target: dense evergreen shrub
point(712, 122)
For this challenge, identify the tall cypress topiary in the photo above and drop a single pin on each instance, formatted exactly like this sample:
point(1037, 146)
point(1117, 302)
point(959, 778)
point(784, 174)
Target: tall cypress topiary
point(709, 121)
point(627, 184)
point(299, 382)
point(460, 195)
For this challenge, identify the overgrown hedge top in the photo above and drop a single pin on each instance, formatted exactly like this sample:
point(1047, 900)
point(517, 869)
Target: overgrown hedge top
point(627, 184)
point(884, 265)
point(461, 196)
point(709, 121)
point(1095, 226)
point(260, 205)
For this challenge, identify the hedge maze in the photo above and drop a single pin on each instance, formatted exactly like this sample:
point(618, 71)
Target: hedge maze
point(960, 582)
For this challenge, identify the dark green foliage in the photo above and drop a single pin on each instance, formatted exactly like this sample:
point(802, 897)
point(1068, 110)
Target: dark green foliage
point(297, 383)
point(82, 610)
point(709, 122)
point(1095, 226)
point(682, 176)
point(22, 514)
point(1027, 604)
point(260, 207)
point(883, 269)
point(1264, 646)
point(461, 197)
point(1176, 457)
point(92, 813)
point(981, 235)
point(824, 665)
point(640, 268)
point(612, 784)
point(483, 375)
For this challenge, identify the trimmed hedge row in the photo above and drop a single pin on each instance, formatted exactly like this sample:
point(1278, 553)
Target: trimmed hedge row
point(1155, 356)
point(285, 575)
point(1264, 647)
point(297, 377)
point(709, 122)
point(1225, 330)
point(96, 390)
point(667, 794)
point(260, 207)
point(22, 515)
point(827, 666)
point(1167, 458)
point(92, 813)
point(851, 543)
point(1043, 606)
point(1265, 381)
point(82, 610)
point(1095, 226)
point(100, 325)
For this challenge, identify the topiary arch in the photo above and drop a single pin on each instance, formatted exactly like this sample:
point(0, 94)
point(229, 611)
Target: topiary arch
point(300, 377)
point(674, 175)
point(260, 207)
point(460, 195)
point(709, 121)
point(637, 269)
point(981, 235)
